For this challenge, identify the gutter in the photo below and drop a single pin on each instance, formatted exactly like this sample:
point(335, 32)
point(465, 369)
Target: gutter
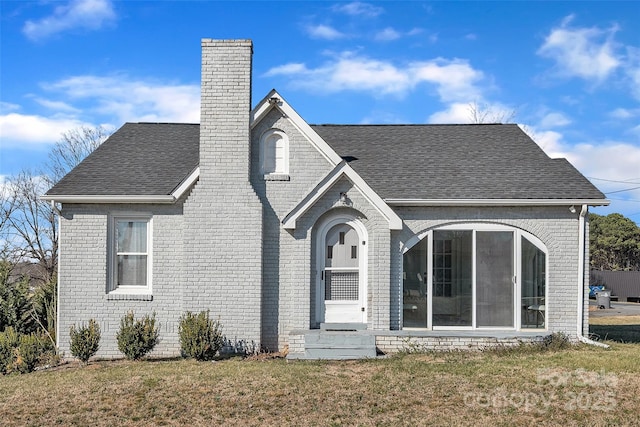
point(581, 265)
point(496, 202)
point(57, 211)
point(109, 199)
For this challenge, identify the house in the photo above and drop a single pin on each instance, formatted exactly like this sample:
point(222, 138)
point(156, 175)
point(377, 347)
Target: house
point(625, 285)
point(330, 240)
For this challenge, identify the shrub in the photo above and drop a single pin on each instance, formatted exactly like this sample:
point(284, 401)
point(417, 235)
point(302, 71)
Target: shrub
point(44, 308)
point(30, 350)
point(136, 338)
point(556, 341)
point(85, 340)
point(20, 352)
point(200, 337)
point(9, 341)
point(15, 304)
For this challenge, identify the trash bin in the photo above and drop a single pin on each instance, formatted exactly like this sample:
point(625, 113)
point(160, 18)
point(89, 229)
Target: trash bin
point(603, 299)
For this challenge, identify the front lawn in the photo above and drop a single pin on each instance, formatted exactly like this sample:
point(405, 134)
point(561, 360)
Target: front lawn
point(578, 386)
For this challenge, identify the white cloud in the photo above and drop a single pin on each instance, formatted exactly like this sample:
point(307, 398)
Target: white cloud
point(587, 53)
point(621, 113)
point(57, 105)
point(85, 14)
point(388, 34)
point(632, 69)
point(458, 112)
point(359, 9)
point(453, 79)
point(324, 32)
point(110, 100)
point(7, 106)
point(473, 112)
point(609, 160)
point(550, 141)
point(553, 120)
point(133, 100)
point(20, 129)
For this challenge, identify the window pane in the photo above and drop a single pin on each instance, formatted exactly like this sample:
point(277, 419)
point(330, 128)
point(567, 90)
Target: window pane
point(132, 236)
point(341, 238)
point(494, 278)
point(132, 270)
point(415, 286)
point(452, 282)
point(533, 285)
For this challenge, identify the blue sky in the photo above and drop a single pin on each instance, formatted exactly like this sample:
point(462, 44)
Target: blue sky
point(568, 72)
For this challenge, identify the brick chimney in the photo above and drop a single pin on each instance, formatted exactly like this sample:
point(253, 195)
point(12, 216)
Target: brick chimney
point(225, 107)
point(223, 215)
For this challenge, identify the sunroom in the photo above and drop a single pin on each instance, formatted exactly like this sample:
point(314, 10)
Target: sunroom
point(475, 277)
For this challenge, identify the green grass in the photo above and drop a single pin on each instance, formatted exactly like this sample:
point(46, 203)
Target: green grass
point(577, 386)
point(624, 329)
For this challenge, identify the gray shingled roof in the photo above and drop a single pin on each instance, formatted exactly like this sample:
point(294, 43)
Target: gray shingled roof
point(138, 159)
point(397, 161)
point(455, 162)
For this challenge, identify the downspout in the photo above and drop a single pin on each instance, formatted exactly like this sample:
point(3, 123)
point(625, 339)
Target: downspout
point(57, 211)
point(581, 266)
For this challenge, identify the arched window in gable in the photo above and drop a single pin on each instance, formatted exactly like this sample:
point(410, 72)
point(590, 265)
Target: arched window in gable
point(274, 155)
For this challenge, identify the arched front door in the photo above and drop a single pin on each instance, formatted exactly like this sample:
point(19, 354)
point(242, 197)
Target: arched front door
point(342, 281)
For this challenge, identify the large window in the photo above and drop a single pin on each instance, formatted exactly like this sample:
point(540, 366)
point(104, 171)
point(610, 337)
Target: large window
point(131, 255)
point(475, 277)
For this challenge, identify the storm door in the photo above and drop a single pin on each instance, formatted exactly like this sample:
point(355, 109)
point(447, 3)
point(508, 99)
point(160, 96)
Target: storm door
point(343, 289)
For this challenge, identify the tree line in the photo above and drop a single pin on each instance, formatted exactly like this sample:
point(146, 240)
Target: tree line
point(614, 242)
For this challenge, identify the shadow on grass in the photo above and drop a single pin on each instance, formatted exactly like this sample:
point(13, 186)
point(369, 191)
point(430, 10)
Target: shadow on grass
point(619, 333)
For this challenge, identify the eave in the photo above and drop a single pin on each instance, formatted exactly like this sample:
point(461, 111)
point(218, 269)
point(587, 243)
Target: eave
point(496, 202)
point(342, 169)
point(175, 195)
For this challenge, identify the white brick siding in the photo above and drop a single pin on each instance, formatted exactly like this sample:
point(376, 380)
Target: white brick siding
point(223, 248)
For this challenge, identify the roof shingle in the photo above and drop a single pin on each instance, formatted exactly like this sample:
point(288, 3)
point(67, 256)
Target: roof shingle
point(398, 161)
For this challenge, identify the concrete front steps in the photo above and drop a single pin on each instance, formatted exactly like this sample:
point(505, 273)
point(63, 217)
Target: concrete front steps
point(337, 341)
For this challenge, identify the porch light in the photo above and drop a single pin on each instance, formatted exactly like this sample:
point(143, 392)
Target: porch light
point(344, 199)
point(572, 209)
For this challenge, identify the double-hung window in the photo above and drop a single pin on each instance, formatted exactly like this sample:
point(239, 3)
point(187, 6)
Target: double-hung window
point(131, 254)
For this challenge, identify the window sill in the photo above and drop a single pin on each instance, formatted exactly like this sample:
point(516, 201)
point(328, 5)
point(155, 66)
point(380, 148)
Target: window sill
point(128, 297)
point(276, 177)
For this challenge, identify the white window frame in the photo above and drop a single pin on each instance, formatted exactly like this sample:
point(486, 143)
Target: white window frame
point(475, 227)
point(113, 287)
point(276, 174)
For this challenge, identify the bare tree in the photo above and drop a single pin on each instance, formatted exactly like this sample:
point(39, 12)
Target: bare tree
point(32, 231)
point(72, 148)
point(30, 225)
point(484, 113)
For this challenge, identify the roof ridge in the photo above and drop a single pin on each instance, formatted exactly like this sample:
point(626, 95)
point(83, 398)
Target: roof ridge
point(413, 124)
point(164, 123)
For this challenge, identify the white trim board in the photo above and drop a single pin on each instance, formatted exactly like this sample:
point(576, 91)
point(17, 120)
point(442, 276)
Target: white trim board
point(496, 202)
point(343, 169)
point(275, 100)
